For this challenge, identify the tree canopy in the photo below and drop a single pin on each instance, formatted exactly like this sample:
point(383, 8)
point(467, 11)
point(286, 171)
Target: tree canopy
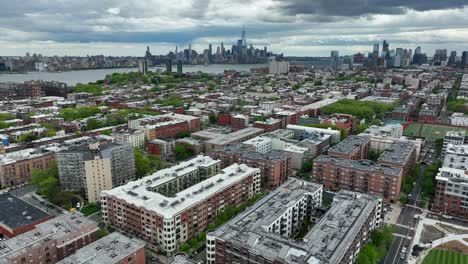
point(362, 110)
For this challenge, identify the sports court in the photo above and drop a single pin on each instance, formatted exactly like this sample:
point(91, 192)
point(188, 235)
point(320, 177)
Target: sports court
point(429, 131)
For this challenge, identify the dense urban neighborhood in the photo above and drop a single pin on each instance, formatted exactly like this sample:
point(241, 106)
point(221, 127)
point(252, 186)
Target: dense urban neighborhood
point(362, 161)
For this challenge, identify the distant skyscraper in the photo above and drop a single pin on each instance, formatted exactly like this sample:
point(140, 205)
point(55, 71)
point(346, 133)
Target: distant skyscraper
point(452, 61)
point(148, 53)
point(244, 41)
point(334, 59)
point(210, 53)
point(189, 58)
point(440, 55)
point(385, 49)
point(464, 59)
point(169, 65)
point(223, 50)
point(417, 51)
point(375, 53)
point(143, 66)
point(179, 66)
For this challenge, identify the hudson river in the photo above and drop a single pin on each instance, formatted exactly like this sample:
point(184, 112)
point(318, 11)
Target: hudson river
point(86, 76)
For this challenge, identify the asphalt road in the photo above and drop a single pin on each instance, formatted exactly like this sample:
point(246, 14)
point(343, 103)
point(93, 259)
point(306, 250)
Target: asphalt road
point(406, 222)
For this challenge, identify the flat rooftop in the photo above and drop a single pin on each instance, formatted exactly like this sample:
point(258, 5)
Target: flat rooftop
point(398, 152)
point(456, 156)
point(23, 154)
point(244, 151)
point(17, 213)
point(362, 165)
point(56, 228)
point(107, 250)
point(235, 136)
point(326, 242)
point(349, 144)
point(140, 192)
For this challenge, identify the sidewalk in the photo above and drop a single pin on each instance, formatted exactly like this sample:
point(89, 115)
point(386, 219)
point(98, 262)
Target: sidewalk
point(447, 237)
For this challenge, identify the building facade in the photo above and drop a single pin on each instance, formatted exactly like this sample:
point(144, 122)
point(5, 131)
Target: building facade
point(361, 176)
point(264, 233)
point(178, 203)
point(114, 248)
point(92, 167)
point(136, 138)
point(50, 241)
point(275, 166)
point(16, 167)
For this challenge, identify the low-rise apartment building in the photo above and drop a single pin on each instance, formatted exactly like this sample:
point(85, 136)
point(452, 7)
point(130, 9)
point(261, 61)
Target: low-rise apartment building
point(114, 248)
point(50, 241)
point(16, 167)
point(353, 148)
point(362, 176)
point(136, 138)
point(165, 126)
point(170, 208)
point(275, 166)
point(264, 233)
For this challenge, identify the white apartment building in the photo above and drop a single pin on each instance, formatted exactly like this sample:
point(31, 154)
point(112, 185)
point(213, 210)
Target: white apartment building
point(459, 119)
point(265, 144)
point(135, 137)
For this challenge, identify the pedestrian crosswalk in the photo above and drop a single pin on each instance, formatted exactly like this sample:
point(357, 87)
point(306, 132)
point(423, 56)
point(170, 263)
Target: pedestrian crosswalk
point(404, 226)
point(402, 236)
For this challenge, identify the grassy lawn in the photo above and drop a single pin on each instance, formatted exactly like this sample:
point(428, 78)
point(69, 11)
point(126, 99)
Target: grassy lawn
point(445, 257)
point(430, 131)
point(89, 209)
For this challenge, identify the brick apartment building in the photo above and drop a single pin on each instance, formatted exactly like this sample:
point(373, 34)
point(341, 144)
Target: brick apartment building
point(353, 148)
point(275, 166)
point(165, 126)
point(16, 167)
point(399, 154)
point(50, 241)
point(362, 176)
point(114, 248)
point(176, 204)
point(224, 119)
point(239, 122)
point(269, 125)
point(346, 122)
point(160, 147)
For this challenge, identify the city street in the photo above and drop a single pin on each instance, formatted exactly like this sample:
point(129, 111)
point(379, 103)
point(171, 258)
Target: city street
point(406, 221)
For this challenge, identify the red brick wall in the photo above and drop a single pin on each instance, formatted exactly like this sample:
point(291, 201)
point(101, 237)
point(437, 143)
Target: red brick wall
point(224, 119)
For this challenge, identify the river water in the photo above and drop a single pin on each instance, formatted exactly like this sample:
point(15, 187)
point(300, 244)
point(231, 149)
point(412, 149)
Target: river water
point(86, 76)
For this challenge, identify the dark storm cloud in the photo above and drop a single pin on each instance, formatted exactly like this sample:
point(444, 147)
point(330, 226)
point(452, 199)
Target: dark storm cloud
point(353, 8)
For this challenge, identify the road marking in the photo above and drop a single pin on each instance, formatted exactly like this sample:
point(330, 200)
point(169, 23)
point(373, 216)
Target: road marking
point(404, 226)
point(402, 236)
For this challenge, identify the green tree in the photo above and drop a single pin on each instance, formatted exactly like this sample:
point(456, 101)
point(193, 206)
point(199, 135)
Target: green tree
point(360, 128)
point(46, 181)
point(142, 164)
point(213, 119)
point(182, 152)
point(94, 89)
point(49, 187)
point(183, 134)
point(92, 123)
point(51, 133)
point(28, 137)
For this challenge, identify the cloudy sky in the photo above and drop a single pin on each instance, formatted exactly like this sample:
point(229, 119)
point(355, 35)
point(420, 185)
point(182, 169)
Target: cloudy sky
point(292, 27)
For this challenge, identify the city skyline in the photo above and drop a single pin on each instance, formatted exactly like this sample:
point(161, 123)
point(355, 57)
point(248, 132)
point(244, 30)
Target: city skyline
point(295, 28)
